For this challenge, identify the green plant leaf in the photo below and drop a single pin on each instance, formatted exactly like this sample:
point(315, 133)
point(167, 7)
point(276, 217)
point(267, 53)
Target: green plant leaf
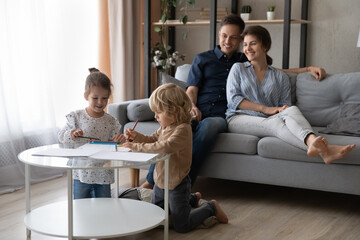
point(157, 29)
point(184, 36)
point(191, 2)
point(163, 18)
point(185, 19)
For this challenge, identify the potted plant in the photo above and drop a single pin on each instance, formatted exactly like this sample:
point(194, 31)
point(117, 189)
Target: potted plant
point(245, 12)
point(270, 14)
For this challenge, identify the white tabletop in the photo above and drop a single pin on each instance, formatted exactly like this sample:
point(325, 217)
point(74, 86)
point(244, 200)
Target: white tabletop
point(75, 162)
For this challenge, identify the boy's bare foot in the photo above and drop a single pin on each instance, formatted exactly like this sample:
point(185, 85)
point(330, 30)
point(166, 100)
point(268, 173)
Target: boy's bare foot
point(220, 214)
point(194, 199)
point(317, 146)
point(198, 195)
point(147, 185)
point(336, 152)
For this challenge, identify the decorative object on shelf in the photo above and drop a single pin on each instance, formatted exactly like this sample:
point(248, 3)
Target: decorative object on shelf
point(270, 14)
point(245, 12)
point(220, 13)
point(162, 59)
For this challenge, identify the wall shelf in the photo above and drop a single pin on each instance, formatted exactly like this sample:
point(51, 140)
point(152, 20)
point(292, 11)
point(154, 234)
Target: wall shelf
point(207, 22)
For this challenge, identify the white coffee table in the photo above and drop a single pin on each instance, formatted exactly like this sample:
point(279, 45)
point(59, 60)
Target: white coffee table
point(95, 217)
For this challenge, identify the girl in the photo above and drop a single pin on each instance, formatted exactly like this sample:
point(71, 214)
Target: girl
point(259, 101)
point(172, 110)
point(92, 122)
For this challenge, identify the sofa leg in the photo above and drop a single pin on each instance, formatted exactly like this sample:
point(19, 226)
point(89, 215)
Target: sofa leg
point(134, 177)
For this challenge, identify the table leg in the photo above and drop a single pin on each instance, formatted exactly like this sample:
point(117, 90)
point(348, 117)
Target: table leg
point(166, 226)
point(116, 192)
point(134, 177)
point(70, 203)
point(27, 196)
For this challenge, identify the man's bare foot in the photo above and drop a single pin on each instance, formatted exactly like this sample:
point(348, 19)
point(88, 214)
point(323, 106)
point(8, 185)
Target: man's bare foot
point(336, 152)
point(220, 214)
point(317, 146)
point(147, 185)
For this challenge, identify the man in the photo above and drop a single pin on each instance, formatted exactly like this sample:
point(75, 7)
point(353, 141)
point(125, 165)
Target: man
point(206, 88)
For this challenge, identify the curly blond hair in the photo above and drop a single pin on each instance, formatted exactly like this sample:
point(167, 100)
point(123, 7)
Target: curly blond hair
point(172, 100)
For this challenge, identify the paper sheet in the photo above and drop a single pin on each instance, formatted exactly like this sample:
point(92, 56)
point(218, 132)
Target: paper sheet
point(97, 151)
point(66, 152)
point(125, 156)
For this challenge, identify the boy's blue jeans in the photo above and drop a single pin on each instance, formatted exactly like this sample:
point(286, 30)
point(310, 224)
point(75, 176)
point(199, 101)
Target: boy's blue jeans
point(204, 139)
point(85, 190)
point(182, 218)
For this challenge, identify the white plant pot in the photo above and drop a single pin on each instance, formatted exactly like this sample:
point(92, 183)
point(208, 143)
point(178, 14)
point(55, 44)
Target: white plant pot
point(270, 15)
point(245, 16)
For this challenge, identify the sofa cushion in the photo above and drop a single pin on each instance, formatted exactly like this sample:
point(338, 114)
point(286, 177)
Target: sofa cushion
point(140, 110)
point(272, 147)
point(236, 143)
point(348, 123)
point(166, 78)
point(320, 102)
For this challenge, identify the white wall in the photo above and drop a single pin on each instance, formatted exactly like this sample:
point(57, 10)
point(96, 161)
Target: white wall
point(332, 35)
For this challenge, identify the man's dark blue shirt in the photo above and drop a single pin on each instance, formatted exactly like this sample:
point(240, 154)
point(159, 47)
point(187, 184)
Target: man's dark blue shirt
point(209, 71)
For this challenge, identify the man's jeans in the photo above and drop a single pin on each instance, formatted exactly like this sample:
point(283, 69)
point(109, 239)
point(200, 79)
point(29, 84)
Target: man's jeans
point(204, 139)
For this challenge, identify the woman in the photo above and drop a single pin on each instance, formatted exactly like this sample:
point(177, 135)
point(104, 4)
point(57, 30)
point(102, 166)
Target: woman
point(259, 101)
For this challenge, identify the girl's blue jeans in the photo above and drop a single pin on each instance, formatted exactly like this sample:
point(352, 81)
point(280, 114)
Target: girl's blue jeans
point(85, 190)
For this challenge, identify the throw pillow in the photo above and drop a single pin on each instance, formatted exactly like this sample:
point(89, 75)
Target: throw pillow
point(182, 72)
point(348, 123)
point(166, 78)
point(140, 110)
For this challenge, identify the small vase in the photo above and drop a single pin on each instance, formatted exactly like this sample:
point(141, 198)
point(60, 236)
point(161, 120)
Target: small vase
point(245, 16)
point(270, 15)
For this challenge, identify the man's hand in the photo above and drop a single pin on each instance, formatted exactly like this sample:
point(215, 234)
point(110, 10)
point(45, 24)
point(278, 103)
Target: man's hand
point(196, 114)
point(317, 72)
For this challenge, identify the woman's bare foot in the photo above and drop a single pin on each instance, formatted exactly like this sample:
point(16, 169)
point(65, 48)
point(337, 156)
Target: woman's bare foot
point(220, 214)
point(329, 153)
point(317, 146)
point(147, 185)
point(336, 152)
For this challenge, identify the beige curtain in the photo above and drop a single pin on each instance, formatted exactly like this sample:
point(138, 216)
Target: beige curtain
point(124, 32)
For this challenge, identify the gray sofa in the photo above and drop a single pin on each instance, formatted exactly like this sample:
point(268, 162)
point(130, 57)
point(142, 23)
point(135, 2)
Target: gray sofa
point(330, 106)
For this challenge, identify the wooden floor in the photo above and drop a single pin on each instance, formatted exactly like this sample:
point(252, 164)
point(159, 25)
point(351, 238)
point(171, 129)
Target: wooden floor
point(255, 212)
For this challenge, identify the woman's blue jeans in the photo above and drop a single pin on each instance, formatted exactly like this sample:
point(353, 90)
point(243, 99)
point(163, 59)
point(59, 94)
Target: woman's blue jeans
point(204, 138)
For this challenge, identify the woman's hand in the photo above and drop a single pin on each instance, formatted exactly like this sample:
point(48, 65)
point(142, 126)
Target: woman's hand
point(274, 110)
point(76, 133)
point(119, 138)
